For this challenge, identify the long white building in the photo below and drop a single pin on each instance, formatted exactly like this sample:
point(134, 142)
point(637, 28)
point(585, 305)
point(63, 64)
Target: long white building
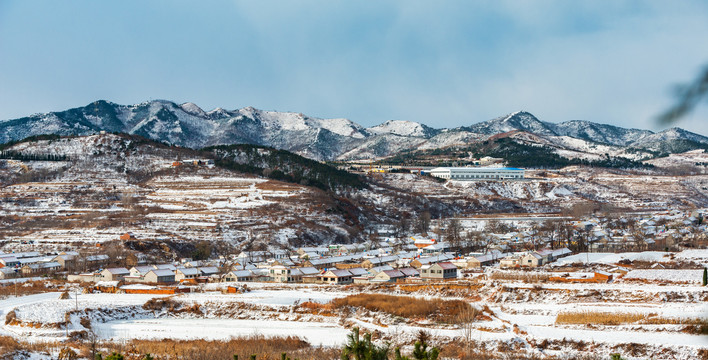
point(478, 173)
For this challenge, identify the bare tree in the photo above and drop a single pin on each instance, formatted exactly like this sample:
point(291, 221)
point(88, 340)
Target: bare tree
point(452, 232)
point(476, 241)
point(423, 223)
point(467, 318)
point(403, 226)
point(497, 227)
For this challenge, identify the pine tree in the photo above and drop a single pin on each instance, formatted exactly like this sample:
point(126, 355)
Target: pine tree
point(363, 349)
point(705, 276)
point(420, 352)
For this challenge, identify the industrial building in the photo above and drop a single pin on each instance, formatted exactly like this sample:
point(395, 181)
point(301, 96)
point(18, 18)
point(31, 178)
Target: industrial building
point(478, 173)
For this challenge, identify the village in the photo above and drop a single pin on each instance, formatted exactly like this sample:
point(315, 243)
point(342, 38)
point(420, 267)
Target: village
point(415, 259)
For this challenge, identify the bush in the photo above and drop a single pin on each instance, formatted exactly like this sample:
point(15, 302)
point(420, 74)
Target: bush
point(157, 304)
point(10, 317)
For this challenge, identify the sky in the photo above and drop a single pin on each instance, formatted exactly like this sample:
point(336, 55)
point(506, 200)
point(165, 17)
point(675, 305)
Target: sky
point(441, 63)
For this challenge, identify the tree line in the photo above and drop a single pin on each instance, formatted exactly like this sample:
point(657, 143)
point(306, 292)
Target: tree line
point(14, 155)
point(284, 166)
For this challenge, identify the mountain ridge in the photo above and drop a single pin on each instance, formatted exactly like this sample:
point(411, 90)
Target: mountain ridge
point(189, 125)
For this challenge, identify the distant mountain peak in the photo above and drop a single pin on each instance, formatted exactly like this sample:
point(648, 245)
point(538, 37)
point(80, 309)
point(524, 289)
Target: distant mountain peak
point(193, 109)
point(519, 120)
point(403, 128)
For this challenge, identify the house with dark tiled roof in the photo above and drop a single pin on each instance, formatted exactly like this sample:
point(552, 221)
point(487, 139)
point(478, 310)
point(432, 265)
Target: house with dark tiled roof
point(438, 271)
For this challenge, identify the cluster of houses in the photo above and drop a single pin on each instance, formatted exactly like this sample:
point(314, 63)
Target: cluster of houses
point(335, 264)
point(191, 272)
point(188, 271)
point(32, 263)
point(418, 260)
point(422, 259)
point(656, 232)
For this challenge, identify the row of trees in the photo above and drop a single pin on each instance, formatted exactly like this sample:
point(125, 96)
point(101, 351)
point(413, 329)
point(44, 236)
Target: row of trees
point(14, 155)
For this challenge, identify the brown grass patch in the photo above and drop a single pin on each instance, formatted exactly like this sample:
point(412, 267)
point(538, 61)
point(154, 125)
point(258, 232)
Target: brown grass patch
point(8, 345)
point(266, 348)
point(448, 311)
point(519, 276)
point(30, 287)
point(315, 308)
point(619, 318)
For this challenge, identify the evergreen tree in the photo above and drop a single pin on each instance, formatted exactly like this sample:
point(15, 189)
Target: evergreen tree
point(362, 348)
point(420, 352)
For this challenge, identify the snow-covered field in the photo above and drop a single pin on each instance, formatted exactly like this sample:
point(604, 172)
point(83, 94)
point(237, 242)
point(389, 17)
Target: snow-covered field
point(688, 276)
point(648, 256)
point(317, 334)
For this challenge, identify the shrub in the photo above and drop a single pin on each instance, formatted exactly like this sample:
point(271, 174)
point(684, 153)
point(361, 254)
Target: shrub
point(10, 317)
point(157, 304)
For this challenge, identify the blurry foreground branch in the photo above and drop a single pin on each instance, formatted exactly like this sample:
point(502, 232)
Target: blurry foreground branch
point(687, 97)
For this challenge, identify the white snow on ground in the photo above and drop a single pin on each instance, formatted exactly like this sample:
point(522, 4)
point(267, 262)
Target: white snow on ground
point(51, 309)
point(267, 297)
point(610, 258)
point(699, 255)
point(221, 329)
point(684, 276)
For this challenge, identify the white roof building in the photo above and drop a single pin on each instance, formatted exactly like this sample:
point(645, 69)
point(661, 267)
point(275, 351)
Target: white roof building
point(478, 173)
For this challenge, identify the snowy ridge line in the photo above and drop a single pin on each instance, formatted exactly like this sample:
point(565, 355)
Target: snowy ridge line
point(328, 139)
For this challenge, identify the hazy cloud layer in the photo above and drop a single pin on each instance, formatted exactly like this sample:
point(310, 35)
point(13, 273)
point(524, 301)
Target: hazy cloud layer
point(444, 64)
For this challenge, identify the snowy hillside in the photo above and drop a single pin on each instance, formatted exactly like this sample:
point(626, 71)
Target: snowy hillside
point(403, 128)
point(599, 133)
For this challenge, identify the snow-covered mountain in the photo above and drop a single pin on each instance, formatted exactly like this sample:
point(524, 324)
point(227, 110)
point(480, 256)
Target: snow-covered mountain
point(333, 139)
point(600, 133)
point(520, 120)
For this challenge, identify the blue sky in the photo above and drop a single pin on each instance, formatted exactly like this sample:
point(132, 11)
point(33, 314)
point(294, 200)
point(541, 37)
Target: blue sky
point(442, 63)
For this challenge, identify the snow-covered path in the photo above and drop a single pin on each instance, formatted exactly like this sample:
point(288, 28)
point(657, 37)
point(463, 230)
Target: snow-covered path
point(6, 305)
